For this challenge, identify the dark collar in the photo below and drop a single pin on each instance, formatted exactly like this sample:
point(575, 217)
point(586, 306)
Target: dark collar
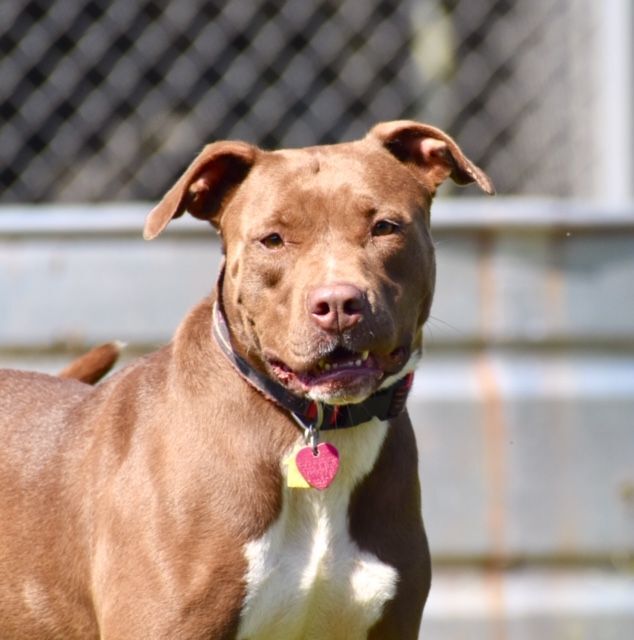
point(384, 404)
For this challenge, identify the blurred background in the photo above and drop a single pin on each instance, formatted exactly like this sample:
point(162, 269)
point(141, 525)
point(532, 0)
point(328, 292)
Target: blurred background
point(524, 402)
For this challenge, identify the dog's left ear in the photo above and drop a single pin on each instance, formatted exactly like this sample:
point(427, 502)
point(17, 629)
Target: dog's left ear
point(205, 187)
point(430, 151)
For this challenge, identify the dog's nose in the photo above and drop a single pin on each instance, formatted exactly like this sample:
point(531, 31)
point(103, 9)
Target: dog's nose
point(336, 307)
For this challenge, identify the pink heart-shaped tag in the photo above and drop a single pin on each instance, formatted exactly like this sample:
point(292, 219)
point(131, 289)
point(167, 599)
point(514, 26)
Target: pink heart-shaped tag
point(318, 470)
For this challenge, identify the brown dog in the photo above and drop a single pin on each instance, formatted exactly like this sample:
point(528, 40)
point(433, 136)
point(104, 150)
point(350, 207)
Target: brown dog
point(174, 500)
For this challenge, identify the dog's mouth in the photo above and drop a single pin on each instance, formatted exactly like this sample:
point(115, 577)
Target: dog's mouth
point(341, 376)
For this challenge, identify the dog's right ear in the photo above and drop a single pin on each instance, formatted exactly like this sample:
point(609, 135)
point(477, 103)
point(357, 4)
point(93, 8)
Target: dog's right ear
point(205, 187)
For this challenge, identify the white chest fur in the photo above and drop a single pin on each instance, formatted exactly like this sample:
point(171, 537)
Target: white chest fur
point(307, 579)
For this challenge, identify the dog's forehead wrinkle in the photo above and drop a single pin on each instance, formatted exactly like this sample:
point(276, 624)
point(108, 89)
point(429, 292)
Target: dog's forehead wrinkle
point(323, 215)
point(327, 164)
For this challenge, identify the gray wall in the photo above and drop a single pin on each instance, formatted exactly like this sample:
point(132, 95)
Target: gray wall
point(523, 405)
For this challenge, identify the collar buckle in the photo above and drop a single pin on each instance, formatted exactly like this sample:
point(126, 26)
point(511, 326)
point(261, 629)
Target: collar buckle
point(311, 429)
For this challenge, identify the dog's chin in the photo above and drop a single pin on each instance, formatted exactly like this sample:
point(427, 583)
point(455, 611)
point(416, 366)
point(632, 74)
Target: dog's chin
point(344, 377)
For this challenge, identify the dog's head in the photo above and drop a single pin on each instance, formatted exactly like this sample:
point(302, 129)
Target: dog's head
point(330, 267)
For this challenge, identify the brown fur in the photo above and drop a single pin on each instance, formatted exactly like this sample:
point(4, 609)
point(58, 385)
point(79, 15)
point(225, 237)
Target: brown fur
point(94, 365)
point(125, 507)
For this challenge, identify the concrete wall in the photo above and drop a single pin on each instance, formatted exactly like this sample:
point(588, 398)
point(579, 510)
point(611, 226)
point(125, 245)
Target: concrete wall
point(523, 405)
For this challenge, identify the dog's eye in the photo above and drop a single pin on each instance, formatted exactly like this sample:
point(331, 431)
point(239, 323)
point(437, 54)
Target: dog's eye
point(272, 241)
point(385, 228)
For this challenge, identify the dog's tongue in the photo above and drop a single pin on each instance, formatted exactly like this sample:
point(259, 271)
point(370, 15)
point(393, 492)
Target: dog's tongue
point(342, 374)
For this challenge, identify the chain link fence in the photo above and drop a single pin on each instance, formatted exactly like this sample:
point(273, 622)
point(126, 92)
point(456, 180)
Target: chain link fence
point(110, 99)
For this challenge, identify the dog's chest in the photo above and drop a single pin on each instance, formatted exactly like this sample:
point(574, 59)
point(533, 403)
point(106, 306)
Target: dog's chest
point(306, 577)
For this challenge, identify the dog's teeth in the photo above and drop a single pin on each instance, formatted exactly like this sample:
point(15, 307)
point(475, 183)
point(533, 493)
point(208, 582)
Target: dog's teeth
point(333, 366)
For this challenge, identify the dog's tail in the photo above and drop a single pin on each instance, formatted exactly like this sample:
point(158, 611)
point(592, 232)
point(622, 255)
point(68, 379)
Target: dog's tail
point(94, 365)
